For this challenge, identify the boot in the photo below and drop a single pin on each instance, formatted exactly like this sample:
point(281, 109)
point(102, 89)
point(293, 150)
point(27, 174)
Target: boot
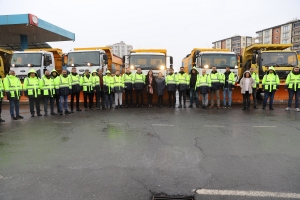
point(1, 120)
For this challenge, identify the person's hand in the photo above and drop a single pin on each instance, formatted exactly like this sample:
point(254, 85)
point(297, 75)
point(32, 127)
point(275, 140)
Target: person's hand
point(285, 89)
point(232, 88)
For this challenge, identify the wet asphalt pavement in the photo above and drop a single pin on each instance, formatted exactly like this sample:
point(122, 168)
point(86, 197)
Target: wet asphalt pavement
point(137, 152)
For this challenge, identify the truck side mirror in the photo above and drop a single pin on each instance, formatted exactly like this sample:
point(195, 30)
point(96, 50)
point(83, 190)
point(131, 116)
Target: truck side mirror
point(253, 59)
point(123, 60)
point(105, 58)
point(171, 60)
point(47, 60)
point(241, 61)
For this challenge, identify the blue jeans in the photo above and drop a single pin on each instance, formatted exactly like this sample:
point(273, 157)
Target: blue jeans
point(293, 93)
point(14, 105)
point(268, 95)
point(193, 94)
point(63, 100)
point(108, 97)
point(229, 92)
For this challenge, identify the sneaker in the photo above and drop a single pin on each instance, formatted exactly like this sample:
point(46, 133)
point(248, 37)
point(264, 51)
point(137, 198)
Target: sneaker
point(184, 106)
point(218, 107)
point(116, 107)
point(67, 112)
point(78, 109)
point(224, 107)
point(2, 120)
point(72, 111)
point(20, 117)
point(288, 108)
point(32, 115)
point(39, 114)
point(45, 114)
point(263, 108)
point(197, 105)
point(229, 107)
point(190, 106)
point(14, 118)
point(53, 113)
point(180, 106)
point(271, 108)
point(60, 112)
point(297, 110)
point(255, 107)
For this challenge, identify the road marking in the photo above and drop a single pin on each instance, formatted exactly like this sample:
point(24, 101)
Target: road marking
point(162, 124)
point(213, 126)
point(62, 122)
point(264, 126)
point(249, 193)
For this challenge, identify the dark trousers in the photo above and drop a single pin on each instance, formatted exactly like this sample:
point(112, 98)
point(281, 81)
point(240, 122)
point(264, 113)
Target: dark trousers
point(149, 98)
point(46, 99)
point(128, 95)
point(172, 98)
point(246, 100)
point(14, 106)
point(77, 100)
point(182, 93)
point(35, 101)
point(90, 96)
point(268, 95)
point(99, 96)
point(139, 95)
point(56, 97)
point(108, 99)
point(254, 96)
point(292, 93)
point(160, 100)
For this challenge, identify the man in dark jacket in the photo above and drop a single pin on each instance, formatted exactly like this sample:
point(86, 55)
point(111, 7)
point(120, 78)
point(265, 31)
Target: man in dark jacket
point(75, 91)
point(193, 90)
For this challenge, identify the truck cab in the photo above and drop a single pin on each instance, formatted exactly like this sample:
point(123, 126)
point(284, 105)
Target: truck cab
point(148, 59)
point(87, 58)
point(23, 61)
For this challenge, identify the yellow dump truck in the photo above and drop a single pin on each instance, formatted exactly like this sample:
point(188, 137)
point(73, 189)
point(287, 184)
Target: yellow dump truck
point(262, 56)
point(5, 56)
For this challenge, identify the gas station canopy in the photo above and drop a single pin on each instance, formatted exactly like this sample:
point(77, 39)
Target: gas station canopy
point(23, 31)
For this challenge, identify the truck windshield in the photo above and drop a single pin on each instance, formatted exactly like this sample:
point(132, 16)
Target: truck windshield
point(147, 62)
point(218, 60)
point(288, 59)
point(25, 59)
point(78, 59)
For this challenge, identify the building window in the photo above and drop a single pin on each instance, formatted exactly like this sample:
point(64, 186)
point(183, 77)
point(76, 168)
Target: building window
point(243, 44)
point(277, 31)
point(276, 37)
point(267, 32)
point(285, 35)
point(286, 28)
point(243, 39)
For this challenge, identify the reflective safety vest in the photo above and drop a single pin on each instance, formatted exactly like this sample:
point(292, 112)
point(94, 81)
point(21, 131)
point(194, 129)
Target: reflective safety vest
point(32, 87)
point(127, 78)
point(255, 77)
point(270, 82)
point(293, 81)
point(108, 83)
point(139, 81)
point(47, 87)
point(12, 87)
point(204, 80)
point(86, 83)
point(74, 80)
point(171, 79)
point(230, 80)
point(183, 78)
point(215, 78)
point(1, 89)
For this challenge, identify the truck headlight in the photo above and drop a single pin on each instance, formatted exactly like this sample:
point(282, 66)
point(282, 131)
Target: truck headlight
point(162, 67)
point(29, 65)
point(72, 65)
point(131, 67)
point(206, 66)
point(13, 65)
point(236, 67)
point(88, 64)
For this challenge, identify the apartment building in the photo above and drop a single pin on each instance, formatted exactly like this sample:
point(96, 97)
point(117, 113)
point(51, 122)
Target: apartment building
point(120, 49)
point(235, 44)
point(288, 33)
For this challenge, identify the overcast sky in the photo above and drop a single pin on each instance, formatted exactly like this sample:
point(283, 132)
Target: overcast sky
point(177, 25)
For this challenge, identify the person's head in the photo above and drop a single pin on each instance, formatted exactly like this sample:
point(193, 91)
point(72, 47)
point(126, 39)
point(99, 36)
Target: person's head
point(86, 72)
point(12, 72)
point(160, 75)
point(117, 73)
point(296, 70)
point(203, 71)
point(271, 71)
point(94, 73)
point(171, 71)
point(251, 70)
point(100, 73)
point(214, 68)
point(54, 74)
point(64, 73)
point(32, 74)
point(150, 72)
point(128, 70)
point(247, 74)
point(227, 68)
point(73, 69)
point(181, 69)
point(47, 73)
point(108, 73)
point(139, 70)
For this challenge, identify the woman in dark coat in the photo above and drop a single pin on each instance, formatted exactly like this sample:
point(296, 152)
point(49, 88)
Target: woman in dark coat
point(160, 88)
point(150, 85)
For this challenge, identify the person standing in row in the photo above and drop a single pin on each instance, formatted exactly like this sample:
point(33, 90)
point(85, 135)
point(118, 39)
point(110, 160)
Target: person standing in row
point(128, 82)
point(96, 87)
point(171, 85)
point(246, 85)
point(292, 84)
point(88, 92)
point(1, 97)
point(63, 89)
point(54, 75)
point(139, 84)
point(204, 87)
point(101, 97)
point(107, 87)
point(193, 87)
point(216, 79)
point(150, 84)
point(118, 86)
point(183, 83)
point(270, 84)
point(48, 91)
point(75, 91)
point(13, 88)
point(160, 88)
point(228, 82)
point(33, 92)
point(254, 88)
